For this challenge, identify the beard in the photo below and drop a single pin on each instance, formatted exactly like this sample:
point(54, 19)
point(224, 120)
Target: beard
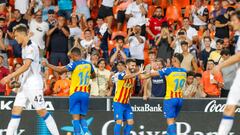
point(158, 17)
point(132, 70)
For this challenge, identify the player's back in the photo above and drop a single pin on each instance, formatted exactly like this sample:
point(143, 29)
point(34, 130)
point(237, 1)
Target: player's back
point(81, 73)
point(175, 79)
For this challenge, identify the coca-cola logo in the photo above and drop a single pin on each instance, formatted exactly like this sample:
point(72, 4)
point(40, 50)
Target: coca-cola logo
point(213, 106)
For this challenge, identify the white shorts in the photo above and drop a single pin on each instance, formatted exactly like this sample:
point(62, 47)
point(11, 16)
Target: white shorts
point(234, 94)
point(32, 96)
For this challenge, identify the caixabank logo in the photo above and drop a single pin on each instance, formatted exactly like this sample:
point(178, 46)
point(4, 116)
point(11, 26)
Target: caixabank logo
point(71, 130)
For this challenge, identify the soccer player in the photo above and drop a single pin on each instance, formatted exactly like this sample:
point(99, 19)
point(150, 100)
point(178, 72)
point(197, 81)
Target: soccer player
point(82, 71)
point(124, 88)
point(234, 95)
point(175, 79)
point(31, 89)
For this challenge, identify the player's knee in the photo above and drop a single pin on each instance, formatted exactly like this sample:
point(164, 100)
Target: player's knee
point(42, 112)
point(119, 121)
point(130, 122)
point(17, 110)
point(230, 110)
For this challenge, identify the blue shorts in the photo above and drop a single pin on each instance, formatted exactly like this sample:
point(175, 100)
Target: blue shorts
point(78, 103)
point(122, 111)
point(172, 107)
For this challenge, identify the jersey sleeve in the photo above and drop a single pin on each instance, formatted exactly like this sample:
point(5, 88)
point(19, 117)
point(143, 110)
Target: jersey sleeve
point(29, 53)
point(164, 72)
point(71, 66)
point(121, 75)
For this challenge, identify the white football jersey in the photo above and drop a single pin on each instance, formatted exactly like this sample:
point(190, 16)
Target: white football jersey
point(32, 77)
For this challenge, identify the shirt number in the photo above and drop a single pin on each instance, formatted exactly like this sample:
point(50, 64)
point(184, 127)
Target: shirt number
point(179, 84)
point(84, 78)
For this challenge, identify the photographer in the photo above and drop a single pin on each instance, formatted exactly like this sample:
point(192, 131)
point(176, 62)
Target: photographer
point(163, 43)
point(181, 36)
point(136, 44)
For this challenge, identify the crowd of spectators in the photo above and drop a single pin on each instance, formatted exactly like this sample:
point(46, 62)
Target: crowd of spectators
point(108, 32)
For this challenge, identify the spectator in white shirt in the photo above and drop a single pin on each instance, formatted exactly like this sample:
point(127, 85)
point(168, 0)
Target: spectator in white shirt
point(136, 12)
point(38, 28)
point(199, 15)
point(136, 44)
point(192, 33)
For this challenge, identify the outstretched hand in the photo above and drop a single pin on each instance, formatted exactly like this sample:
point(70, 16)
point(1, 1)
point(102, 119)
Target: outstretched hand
point(141, 70)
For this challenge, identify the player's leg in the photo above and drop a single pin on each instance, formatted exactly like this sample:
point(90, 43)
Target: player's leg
point(74, 109)
point(118, 117)
point(83, 111)
point(19, 103)
point(50, 122)
point(76, 124)
point(169, 108)
point(37, 100)
point(15, 120)
point(227, 120)
point(229, 111)
point(128, 115)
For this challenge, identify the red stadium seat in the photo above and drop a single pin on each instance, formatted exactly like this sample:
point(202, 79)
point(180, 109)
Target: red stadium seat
point(173, 13)
point(181, 3)
point(163, 3)
point(188, 10)
point(151, 9)
point(149, 2)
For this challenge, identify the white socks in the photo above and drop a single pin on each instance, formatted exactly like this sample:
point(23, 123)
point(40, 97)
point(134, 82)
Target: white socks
point(13, 124)
point(225, 125)
point(52, 127)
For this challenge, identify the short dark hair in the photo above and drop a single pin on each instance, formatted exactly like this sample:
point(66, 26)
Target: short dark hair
point(185, 18)
point(158, 7)
point(100, 60)
point(160, 60)
point(87, 30)
point(151, 52)
point(179, 56)
point(130, 60)
point(229, 9)
point(198, 75)
point(211, 60)
point(225, 52)
point(17, 10)
point(119, 37)
point(76, 50)
point(220, 41)
point(190, 73)
point(100, 17)
point(89, 19)
point(20, 28)
point(121, 62)
point(184, 43)
point(207, 37)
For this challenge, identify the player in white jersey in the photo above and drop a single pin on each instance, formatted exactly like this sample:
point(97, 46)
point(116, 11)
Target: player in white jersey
point(31, 89)
point(234, 95)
